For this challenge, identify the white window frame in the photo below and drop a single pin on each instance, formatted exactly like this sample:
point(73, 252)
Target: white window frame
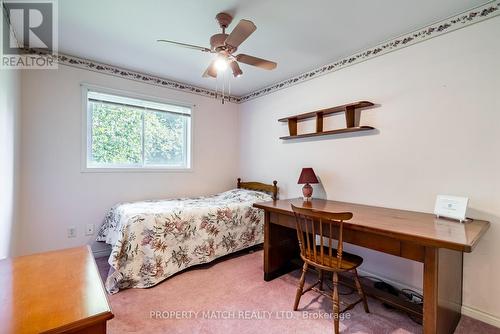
point(86, 137)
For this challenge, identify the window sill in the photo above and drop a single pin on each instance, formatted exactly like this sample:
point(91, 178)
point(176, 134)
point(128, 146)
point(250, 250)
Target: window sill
point(136, 170)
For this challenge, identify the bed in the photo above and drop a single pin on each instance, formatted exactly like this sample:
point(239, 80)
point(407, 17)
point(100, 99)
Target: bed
point(152, 240)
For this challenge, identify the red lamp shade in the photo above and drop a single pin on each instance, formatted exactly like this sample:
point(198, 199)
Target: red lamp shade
point(307, 176)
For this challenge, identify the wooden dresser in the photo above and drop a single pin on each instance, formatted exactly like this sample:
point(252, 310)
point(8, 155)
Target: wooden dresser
point(53, 292)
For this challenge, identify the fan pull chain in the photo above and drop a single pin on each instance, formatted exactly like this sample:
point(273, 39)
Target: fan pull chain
point(224, 81)
point(223, 85)
point(216, 87)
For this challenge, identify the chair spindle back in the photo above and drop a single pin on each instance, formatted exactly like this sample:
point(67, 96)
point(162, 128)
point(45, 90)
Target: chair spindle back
point(312, 223)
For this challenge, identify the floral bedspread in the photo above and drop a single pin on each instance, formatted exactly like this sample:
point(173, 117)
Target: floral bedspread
point(152, 240)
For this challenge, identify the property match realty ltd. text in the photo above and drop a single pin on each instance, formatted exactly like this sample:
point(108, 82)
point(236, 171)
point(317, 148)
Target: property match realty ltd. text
point(244, 315)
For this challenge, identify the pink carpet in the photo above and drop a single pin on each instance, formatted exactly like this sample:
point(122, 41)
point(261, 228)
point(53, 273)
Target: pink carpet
point(230, 296)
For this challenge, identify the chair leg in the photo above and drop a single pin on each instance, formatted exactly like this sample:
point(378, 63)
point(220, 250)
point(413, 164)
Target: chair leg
point(361, 293)
point(335, 300)
point(321, 275)
point(300, 288)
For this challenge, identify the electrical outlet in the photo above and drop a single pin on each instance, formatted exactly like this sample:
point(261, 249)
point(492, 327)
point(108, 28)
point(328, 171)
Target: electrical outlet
point(90, 229)
point(71, 232)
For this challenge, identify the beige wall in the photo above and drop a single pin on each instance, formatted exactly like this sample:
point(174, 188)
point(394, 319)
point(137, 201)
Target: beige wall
point(437, 134)
point(55, 193)
point(9, 135)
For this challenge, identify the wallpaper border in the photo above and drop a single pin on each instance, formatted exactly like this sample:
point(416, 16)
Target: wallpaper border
point(137, 76)
point(453, 23)
point(478, 14)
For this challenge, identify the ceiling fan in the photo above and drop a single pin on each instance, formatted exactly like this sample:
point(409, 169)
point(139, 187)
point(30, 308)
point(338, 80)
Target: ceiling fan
point(225, 45)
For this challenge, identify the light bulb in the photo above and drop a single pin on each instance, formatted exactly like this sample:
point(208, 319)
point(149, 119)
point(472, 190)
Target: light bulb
point(220, 64)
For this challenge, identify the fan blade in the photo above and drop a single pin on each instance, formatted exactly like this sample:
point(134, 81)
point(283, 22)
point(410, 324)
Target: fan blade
point(190, 46)
point(241, 32)
point(211, 71)
point(258, 62)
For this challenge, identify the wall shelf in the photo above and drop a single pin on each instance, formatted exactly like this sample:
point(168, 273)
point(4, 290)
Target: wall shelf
point(350, 116)
point(330, 132)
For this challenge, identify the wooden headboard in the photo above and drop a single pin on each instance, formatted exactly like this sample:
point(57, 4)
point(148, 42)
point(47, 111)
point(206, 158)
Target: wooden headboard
point(269, 188)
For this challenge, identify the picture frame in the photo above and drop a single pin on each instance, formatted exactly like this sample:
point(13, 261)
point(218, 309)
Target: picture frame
point(454, 207)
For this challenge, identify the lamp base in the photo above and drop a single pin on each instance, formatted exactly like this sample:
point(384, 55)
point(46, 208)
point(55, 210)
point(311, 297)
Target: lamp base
point(307, 191)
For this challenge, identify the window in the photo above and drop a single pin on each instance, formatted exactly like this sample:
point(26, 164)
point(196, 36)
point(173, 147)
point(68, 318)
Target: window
point(135, 133)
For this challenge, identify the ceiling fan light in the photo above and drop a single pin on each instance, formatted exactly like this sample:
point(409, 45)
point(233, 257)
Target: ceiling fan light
point(236, 69)
point(220, 64)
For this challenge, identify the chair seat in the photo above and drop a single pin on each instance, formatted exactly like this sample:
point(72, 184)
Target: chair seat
point(349, 261)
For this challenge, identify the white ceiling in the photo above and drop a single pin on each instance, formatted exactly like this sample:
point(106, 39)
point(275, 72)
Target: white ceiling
point(299, 35)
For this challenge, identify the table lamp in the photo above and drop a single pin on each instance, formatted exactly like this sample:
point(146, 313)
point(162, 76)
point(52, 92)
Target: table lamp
point(307, 176)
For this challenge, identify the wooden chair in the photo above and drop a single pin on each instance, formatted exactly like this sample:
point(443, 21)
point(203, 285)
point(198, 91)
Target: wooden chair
point(325, 225)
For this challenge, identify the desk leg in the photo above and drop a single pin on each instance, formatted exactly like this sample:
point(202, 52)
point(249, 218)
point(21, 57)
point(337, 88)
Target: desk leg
point(280, 247)
point(442, 290)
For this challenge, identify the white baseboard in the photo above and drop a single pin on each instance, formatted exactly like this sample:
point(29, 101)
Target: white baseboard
point(466, 310)
point(398, 285)
point(481, 316)
point(101, 253)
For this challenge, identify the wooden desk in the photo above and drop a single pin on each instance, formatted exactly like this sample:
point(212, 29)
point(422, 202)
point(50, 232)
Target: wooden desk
point(437, 243)
point(54, 292)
